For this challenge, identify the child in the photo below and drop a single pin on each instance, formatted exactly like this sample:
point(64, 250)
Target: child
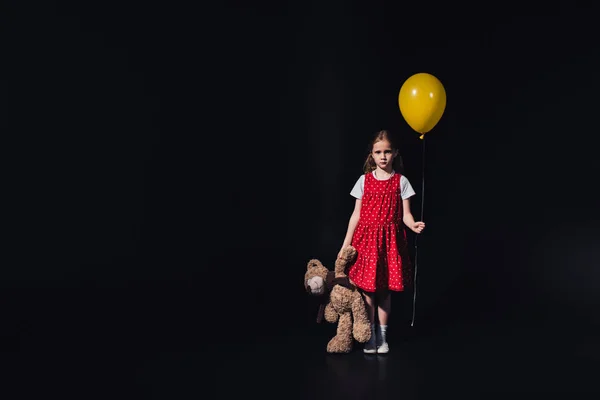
point(376, 230)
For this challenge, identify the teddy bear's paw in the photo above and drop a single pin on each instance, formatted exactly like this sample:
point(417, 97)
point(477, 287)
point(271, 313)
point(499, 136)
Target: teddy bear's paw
point(348, 253)
point(361, 332)
point(339, 346)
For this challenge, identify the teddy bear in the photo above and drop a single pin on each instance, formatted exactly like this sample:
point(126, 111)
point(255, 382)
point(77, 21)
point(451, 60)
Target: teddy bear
point(342, 303)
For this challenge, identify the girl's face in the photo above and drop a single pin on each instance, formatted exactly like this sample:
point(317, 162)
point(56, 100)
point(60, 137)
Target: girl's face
point(384, 155)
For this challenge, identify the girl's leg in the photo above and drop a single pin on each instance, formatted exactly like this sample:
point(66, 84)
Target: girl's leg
point(371, 345)
point(370, 306)
point(384, 308)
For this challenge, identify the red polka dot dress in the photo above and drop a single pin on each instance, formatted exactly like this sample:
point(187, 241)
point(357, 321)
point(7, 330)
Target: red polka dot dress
point(382, 261)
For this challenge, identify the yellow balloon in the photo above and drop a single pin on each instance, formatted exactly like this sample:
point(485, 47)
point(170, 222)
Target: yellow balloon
point(422, 101)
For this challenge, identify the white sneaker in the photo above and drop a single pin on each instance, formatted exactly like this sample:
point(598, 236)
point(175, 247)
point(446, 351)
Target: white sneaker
point(381, 343)
point(383, 348)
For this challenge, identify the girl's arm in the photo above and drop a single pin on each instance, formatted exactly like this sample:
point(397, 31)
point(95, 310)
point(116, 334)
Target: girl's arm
point(351, 225)
point(409, 220)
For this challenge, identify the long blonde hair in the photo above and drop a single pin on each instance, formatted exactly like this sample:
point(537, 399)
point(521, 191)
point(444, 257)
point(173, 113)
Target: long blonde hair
point(370, 165)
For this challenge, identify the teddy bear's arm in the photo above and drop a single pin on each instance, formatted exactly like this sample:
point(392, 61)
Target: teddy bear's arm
point(330, 314)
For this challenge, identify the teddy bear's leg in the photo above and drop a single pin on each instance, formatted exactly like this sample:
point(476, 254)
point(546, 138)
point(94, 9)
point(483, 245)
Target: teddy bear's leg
point(362, 326)
point(330, 314)
point(342, 341)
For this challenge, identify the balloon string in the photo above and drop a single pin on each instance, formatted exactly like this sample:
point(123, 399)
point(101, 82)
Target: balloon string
point(417, 236)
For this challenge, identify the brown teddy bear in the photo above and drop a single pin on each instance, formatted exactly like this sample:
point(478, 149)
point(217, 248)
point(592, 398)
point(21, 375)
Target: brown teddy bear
point(344, 304)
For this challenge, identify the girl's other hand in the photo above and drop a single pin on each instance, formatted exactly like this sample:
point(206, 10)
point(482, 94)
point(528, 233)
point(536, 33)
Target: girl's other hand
point(418, 227)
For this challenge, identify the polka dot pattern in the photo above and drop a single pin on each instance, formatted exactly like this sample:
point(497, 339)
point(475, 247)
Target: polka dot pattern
point(382, 261)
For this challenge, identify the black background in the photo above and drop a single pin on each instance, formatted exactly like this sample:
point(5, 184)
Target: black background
point(173, 166)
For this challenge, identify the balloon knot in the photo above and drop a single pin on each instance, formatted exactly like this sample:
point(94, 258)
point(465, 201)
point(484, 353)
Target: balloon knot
point(422, 136)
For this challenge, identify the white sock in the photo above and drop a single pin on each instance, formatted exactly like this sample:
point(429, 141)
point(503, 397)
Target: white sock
point(381, 333)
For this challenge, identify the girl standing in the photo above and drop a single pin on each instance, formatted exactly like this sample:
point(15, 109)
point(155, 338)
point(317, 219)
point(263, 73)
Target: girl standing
point(377, 231)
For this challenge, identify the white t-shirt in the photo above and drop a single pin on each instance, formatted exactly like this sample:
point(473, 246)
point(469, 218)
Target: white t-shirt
point(406, 189)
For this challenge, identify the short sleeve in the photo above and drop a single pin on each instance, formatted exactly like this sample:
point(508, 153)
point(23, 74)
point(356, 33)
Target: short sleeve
point(406, 189)
point(359, 187)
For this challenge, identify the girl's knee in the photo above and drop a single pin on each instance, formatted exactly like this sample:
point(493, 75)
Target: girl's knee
point(383, 295)
point(365, 293)
point(369, 297)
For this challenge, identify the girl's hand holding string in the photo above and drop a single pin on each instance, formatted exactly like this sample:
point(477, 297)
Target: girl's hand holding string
point(417, 227)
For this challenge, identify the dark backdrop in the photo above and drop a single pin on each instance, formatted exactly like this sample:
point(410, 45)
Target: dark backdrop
point(173, 167)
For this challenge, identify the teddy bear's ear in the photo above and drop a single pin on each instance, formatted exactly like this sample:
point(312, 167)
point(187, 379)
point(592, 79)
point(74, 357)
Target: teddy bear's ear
point(314, 263)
